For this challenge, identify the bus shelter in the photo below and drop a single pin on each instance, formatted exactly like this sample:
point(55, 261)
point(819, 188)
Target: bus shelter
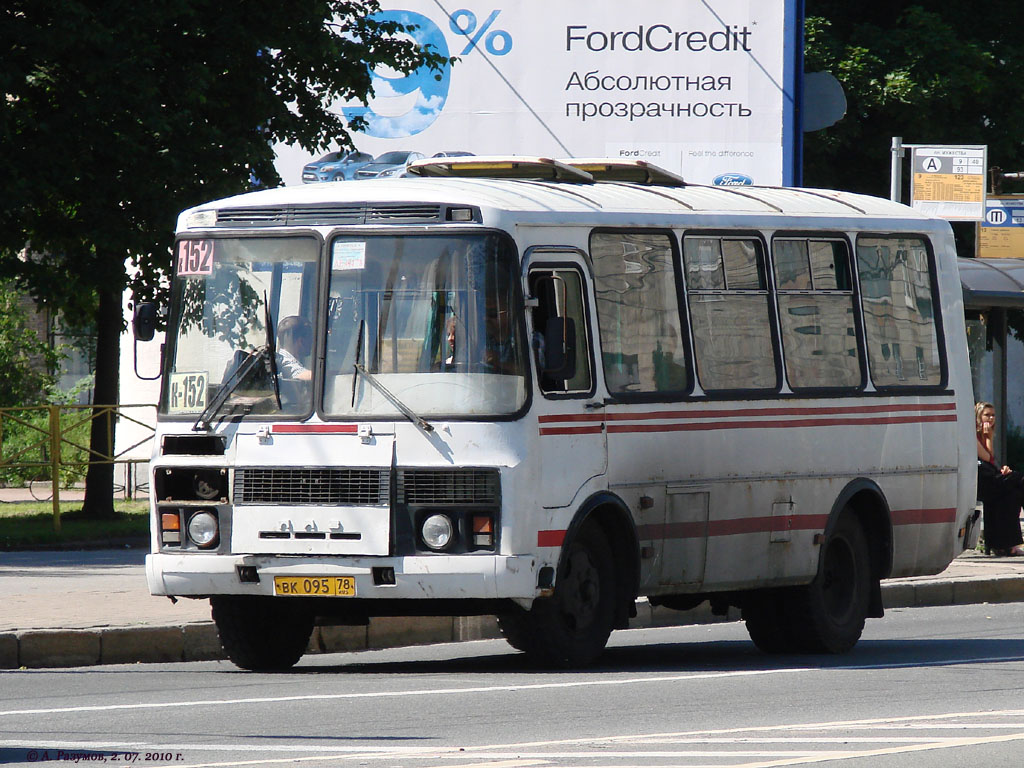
point(994, 306)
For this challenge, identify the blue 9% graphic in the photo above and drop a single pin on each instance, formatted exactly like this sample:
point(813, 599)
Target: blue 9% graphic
point(497, 42)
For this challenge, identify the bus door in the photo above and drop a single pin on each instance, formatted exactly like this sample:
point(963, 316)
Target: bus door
point(572, 448)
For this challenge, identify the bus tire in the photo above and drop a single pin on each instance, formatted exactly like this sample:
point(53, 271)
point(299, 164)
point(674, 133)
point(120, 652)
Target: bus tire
point(261, 634)
point(768, 622)
point(571, 628)
point(828, 614)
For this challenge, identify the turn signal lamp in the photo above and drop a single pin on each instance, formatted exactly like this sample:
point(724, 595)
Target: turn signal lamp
point(170, 529)
point(483, 531)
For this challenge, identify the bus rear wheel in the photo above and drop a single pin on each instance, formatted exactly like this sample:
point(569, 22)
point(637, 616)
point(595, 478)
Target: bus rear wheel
point(828, 614)
point(571, 628)
point(261, 634)
point(768, 622)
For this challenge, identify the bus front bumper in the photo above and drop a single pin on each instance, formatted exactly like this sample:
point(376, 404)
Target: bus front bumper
point(440, 577)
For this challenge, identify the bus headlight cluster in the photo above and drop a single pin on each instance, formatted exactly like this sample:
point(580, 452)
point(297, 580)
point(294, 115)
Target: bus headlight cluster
point(456, 531)
point(203, 529)
point(438, 531)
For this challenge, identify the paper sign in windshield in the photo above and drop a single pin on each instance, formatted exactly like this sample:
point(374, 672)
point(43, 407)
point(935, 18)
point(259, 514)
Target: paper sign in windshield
point(348, 256)
point(187, 393)
point(195, 257)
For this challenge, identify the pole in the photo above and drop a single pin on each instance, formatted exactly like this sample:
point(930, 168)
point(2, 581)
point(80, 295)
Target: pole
point(896, 172)
point(55, 464)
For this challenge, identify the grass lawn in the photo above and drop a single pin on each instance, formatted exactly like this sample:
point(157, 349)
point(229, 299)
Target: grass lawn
point(29, 525)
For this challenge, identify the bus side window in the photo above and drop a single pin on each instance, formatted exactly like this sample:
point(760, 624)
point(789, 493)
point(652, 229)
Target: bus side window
point(561, 342)
point(642, 347)
point(816, 309)
point(729, 313)
point(899, 311)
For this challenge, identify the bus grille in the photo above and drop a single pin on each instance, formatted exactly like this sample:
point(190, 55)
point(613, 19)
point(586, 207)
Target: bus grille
point(329, 215)
point(327, 486)
point(448, 486)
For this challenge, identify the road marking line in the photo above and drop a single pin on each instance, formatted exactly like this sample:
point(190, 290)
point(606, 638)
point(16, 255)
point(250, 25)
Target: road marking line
point(519, 759)
point(497, 688)
point(399, 694)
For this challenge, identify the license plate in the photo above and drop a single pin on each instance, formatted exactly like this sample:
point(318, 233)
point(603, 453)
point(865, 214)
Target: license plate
point(315, 586)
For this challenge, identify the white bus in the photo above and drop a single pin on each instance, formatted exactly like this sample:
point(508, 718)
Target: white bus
point(543, 390)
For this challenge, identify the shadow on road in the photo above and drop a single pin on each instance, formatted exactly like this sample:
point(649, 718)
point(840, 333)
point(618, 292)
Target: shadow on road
point(710, 656)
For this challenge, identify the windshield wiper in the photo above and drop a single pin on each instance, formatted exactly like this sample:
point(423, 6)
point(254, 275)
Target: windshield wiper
point(405, 410)
point(268, 351)
point(419, 421)
point(228, 387)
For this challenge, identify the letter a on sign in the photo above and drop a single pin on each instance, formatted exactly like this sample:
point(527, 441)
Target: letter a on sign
point(932, 165)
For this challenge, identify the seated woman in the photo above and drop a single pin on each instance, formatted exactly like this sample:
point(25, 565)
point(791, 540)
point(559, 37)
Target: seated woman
point(1000, 489)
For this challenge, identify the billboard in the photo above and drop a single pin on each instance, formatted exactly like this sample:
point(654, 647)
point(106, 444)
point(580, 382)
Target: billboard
point(704, 89)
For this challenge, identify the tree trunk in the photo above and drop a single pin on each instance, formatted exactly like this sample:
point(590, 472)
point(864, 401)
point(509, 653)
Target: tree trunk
point(99, 480)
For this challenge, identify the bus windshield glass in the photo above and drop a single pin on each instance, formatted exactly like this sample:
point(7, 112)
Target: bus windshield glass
point(431, 319)
point(242, 325)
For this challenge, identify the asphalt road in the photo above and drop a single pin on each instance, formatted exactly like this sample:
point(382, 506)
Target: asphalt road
point(926, 687)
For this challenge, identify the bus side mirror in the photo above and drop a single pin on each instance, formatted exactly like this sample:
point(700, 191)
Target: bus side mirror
point(144, 321)
point(559, 348)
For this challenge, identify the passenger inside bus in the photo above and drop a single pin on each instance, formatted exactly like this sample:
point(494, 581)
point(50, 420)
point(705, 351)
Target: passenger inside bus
point(1000, 489)
point(499, 339)
point(295, 343)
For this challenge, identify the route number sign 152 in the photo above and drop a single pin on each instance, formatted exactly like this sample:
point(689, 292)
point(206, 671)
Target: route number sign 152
point(187, 393)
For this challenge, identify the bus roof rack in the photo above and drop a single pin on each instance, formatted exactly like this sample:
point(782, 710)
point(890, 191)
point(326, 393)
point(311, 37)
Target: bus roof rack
point(633, 171)
point(500, 167)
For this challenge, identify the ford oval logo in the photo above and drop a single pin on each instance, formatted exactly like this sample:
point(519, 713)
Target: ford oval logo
point(732, 180)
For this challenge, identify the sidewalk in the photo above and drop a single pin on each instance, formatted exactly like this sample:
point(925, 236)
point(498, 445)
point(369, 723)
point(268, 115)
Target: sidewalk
point(92, 607)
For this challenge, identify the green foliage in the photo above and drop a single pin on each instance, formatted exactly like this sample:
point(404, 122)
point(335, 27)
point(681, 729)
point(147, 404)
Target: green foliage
point(115, 116)
point(25, 452)
point(119, 115)
point(946, 72)
point(26, 361)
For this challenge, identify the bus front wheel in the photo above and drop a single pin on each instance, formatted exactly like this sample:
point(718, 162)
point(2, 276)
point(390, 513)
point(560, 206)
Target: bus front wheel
point(261, 634)
point(571, 628)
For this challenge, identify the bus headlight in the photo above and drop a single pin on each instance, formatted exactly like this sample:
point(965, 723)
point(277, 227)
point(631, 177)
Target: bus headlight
point(202, 529)
point(437, 531)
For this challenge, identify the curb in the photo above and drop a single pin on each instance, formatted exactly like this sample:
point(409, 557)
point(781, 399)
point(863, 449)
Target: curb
point(37, 649)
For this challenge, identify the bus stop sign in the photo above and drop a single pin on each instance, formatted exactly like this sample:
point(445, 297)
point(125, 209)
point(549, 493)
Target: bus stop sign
point(949, 181)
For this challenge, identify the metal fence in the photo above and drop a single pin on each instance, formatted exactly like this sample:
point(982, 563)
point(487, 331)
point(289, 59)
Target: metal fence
point(51, 443)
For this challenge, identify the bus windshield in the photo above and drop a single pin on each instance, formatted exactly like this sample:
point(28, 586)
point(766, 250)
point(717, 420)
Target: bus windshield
point(428, 320)
point(242, 304)
point(431, 318)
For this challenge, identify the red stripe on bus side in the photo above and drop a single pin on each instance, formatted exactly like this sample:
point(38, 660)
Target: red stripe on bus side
point(793, 424)
point(809, 411)
point(923, 516)
point(548, 418)
point(594, 430)
point(739, 526)
point(550, 538)
point(314, 429)
point(747, 412)
point(766, 524)
point(696, 420)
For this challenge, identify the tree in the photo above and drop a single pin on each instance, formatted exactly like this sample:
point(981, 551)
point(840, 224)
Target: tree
point(114, 116)
point(944, 72)
point(26, 361)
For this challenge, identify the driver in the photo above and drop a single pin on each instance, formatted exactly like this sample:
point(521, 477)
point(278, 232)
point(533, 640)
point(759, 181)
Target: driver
point(294, 345)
